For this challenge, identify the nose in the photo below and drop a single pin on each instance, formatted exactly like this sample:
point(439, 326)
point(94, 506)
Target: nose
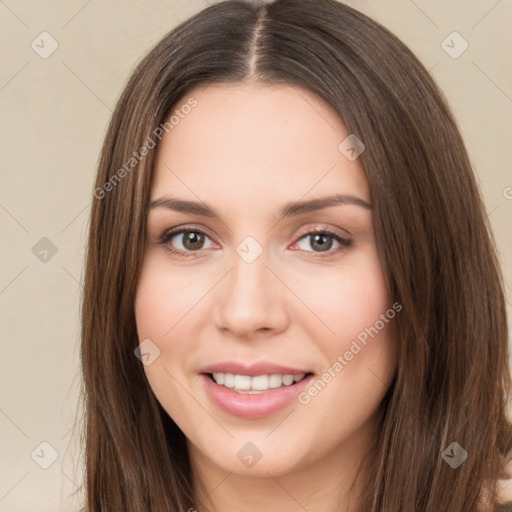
point(251, 299)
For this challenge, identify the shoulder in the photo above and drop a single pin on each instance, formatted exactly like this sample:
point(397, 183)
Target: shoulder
point(505, 494)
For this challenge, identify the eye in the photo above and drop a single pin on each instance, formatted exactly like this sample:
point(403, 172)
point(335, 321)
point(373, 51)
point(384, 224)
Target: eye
point(189, 239)
point(322, 240)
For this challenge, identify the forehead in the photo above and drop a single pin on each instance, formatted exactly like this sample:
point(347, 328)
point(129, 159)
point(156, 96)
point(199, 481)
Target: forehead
point(276, 141)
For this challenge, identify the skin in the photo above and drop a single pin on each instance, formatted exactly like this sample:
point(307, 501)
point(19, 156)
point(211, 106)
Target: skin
point(246, 150)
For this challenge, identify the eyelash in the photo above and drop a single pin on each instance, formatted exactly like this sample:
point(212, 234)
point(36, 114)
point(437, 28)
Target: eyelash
point(168, 235)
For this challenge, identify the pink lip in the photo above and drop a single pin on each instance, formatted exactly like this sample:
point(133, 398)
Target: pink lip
point(253, 406)
point(252, 370)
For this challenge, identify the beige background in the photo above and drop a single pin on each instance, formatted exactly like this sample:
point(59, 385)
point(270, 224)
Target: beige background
point(54, 113)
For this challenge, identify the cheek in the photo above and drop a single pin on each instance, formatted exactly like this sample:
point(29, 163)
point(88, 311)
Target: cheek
point(361, 355)
point(163, 298)
point(345, 300)
point(168, 311)
point(158, 308)
point(356, 331)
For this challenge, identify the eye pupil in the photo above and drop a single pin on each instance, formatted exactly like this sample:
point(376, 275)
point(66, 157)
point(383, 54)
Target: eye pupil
point(196, 239)
point(321, 240)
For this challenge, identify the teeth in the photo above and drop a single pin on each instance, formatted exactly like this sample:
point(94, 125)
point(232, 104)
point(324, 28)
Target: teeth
point(242, 382)
point(255, 385)
point(275, 381)
point(229, 380)
point(260, 382)
point(288, 380)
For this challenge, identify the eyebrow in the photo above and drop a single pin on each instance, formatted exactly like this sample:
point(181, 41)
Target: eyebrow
point(292, 209)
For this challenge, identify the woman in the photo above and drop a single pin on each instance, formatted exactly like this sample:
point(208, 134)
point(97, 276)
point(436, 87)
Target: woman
point(292, 299)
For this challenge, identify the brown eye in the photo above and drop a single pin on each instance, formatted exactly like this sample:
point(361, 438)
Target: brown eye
point(185, 242)
point(322, 241)
point(192, 240)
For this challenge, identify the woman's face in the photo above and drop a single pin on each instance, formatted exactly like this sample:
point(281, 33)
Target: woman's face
point(253, 294)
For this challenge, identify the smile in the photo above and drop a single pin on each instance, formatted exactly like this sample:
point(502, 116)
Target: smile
point(258, 384)
point(256, 396)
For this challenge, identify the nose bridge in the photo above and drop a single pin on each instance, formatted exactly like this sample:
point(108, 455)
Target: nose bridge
point(250, 271)
point(250, 300)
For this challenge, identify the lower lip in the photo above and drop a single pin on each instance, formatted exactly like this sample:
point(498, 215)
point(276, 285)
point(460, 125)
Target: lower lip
point(253, 406)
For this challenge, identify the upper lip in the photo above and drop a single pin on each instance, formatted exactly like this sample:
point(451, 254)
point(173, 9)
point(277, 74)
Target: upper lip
point(252, 370)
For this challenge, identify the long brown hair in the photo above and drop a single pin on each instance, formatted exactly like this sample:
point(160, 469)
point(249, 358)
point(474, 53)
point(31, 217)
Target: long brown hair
point(437, 251)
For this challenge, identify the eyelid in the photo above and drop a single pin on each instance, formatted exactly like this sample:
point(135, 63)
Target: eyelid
point(322, 228)
point(171, 232)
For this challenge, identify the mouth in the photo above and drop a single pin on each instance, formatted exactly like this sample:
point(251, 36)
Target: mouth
point(255, 396)
point(258, 384)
